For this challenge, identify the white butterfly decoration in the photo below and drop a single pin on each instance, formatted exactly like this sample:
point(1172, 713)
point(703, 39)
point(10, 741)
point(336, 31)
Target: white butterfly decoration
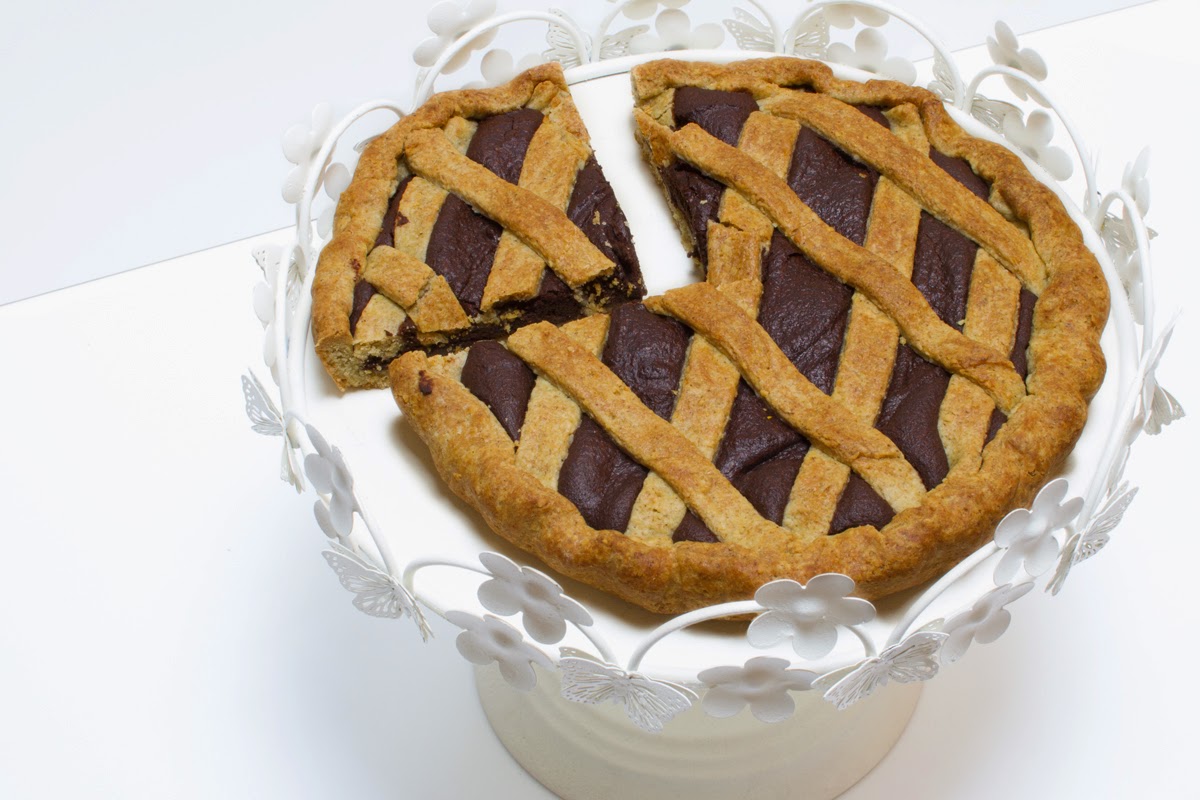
point(649, 704)
point(992, 112)
point(1158, 405)
point(749, 32)
point(914, 659)
point(1082, 546)
point(943, 78)
point(564, 50)
point(266, 420)
point(375, 592)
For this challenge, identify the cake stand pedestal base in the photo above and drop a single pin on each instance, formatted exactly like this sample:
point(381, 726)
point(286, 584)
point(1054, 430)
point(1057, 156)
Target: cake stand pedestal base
point(589, 752)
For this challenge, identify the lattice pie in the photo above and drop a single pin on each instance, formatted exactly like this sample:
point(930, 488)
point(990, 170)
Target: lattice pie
point(894, 344)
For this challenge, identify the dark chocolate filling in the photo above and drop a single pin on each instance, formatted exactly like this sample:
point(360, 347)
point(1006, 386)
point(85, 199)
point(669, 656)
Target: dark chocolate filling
point(942, 268)
point(462, 244)
point(698, 196)
point(1020, 352)
point(594, 210)
point(363, 291)
point(647, 352)
point(803, 309)
point(501, 381)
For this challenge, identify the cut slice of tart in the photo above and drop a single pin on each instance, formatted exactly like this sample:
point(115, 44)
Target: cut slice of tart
point(894, 346)
point(481, 211)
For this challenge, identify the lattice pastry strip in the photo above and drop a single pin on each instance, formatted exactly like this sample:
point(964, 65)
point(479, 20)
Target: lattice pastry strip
point(992, 310)
point(552, 416)
point(554, 159)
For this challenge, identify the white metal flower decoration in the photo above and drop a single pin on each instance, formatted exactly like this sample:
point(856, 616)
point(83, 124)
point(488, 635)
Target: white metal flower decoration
point(762, 683)
point(329, 475)
point(673, 31)
point(648, 703)
point(268, 260)
point(1135, 182)
point(300, 143)
point(1006, 51)
point(375, 592)
point(914, 659)
point(498, 66)
point(1027, 535)
point(985, 622)
point(870, 54)
point(544, 609)
point(1034, 136)
point(847, 15)
point(335, 180)
point(644, 9)
point(808, 614)
point(449, 21)
point(491, 639)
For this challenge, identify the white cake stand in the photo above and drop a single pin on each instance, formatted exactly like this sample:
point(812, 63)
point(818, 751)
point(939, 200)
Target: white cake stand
point(615, 701)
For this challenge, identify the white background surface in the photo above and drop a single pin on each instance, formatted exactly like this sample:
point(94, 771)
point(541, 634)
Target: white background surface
point(138, 130)
point(168, 629)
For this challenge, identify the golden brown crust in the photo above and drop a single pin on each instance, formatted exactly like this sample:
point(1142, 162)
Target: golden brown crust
point(479, 462)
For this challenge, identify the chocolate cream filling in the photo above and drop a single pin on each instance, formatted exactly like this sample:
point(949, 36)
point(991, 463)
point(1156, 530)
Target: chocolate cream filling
point(803, 309)
point(462, 244)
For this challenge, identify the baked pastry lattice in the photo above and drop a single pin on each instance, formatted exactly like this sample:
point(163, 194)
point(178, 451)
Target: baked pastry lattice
point(895, 344)
point(482, 210)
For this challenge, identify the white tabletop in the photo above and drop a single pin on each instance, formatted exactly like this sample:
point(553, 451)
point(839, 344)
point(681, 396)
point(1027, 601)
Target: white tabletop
point(168, 629)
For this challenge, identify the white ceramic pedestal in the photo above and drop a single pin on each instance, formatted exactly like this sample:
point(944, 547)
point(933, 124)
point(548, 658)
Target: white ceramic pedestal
point(593, 752)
